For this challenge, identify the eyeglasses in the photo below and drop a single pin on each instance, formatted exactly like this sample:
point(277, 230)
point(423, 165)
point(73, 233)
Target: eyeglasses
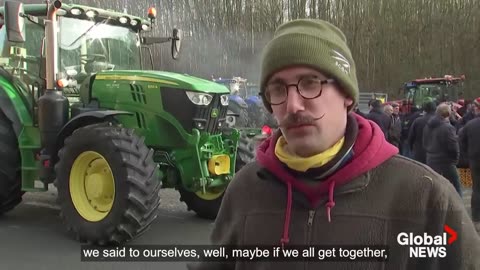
point(309, 87)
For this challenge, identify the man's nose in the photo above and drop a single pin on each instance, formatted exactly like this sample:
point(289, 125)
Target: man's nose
point(294, 100)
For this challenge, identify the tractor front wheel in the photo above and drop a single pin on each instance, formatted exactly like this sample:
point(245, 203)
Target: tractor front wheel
point(10, 181)
point(206, 205)
point(108, 186)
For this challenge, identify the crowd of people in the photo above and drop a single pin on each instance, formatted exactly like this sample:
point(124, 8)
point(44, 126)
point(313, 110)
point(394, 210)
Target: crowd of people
point(437, 136)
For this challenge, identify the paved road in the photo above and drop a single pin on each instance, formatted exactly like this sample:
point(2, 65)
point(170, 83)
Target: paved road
point(32, 236)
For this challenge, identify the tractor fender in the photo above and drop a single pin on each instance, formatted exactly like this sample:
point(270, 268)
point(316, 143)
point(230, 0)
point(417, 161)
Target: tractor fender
point(6, 106)
point(83, 119)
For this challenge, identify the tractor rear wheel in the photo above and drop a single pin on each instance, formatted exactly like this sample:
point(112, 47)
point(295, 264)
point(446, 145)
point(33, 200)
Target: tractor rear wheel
point(108, 186)
point(10, 180)
point(204, 205)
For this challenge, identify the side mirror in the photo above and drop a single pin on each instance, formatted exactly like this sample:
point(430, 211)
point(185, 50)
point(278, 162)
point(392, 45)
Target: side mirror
point(177, 37)
point(176, 40)
point(14, 21)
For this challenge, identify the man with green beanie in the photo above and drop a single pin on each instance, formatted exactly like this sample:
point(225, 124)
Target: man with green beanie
point(328, 177)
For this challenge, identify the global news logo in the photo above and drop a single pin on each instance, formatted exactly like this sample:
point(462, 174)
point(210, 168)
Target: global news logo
point(428, 246)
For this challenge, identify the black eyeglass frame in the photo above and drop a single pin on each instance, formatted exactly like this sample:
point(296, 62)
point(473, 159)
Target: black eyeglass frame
point(287, 86)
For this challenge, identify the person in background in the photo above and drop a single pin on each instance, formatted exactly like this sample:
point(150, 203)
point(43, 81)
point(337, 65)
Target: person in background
point(378, 116)
point(468, 113)
point(395, 130)
point(415, 136)
point(407, 121)
point(388, 109)
point(370, 107)
point(462, 110)
point(454, 116)
point(441, 144)
point(470, 147)
point(328, 176)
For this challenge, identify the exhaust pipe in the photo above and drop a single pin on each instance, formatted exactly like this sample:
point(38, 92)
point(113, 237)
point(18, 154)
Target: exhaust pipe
point(53, 106)
point(51, 52)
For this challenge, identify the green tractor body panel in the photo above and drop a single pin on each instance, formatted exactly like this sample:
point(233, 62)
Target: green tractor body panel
point(28, 134)
point(182, 133)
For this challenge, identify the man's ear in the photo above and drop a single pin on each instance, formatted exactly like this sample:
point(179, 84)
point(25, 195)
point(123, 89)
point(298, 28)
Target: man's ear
point(348, 102)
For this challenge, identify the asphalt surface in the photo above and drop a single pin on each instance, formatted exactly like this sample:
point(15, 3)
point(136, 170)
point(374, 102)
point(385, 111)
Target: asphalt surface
point(33, 237)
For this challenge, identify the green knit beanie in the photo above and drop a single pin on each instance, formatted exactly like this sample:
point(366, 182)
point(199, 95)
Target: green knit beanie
point(315, 43)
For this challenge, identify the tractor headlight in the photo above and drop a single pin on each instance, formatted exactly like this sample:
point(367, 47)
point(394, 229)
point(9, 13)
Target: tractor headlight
point(76, 11)
point(199, 98)
point(91, 14)
point(123, 20)
point(224, 100)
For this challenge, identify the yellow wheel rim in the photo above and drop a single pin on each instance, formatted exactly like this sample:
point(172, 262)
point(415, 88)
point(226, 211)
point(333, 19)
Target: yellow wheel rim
point(209, 195)
point(92, 186)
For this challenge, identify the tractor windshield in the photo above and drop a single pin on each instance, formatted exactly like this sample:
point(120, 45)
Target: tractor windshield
point(438, 92)
point(86, 47)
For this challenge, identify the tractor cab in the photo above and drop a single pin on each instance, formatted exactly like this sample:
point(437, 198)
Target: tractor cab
point(88, 40)
point(441, 89)
point(236, 85)
point(90, 47)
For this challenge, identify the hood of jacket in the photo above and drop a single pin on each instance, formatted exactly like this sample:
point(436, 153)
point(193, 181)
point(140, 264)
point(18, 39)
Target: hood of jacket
point(369, 150)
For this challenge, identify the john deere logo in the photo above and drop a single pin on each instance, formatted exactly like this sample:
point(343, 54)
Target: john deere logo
point(214, 113)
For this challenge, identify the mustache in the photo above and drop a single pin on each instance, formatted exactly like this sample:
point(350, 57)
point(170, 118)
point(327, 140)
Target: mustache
point(297, 119)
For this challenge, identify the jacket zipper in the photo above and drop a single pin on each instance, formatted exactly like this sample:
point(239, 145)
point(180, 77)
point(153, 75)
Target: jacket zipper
point(311, 215)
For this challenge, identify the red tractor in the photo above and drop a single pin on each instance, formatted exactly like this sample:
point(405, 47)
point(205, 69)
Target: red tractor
point(440, 89)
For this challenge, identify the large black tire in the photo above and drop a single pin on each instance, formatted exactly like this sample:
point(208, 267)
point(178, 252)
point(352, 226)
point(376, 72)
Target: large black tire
point(243, 120)
point(245, 151)
point(10, 176)
point(257, 117)
point(239, 121)
point(136, 183)
point(204, 208)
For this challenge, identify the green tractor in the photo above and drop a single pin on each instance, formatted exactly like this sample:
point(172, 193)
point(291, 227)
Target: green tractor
point(80, 110)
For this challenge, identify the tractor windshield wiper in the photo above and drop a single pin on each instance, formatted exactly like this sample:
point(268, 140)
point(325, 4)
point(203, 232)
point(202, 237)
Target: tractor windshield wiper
point(88, 31)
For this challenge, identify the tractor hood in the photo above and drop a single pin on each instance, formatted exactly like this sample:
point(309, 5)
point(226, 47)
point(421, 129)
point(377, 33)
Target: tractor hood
point(175, 80)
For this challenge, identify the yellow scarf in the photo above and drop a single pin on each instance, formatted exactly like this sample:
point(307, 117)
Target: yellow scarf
point(303, 164)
